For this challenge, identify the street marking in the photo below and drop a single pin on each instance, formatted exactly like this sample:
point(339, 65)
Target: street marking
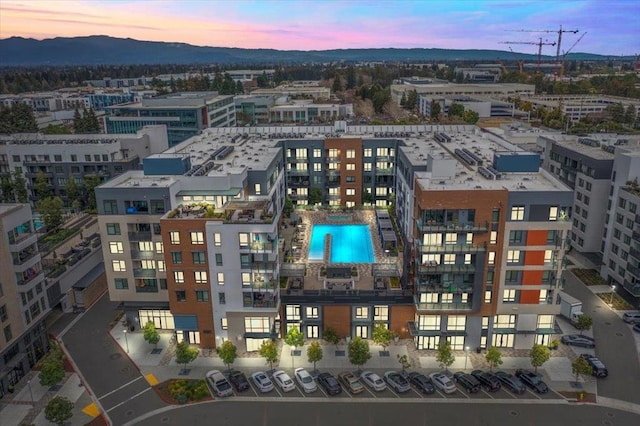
point(534, 393)
point(151, 379)
point(91, 410)
point(484, 391)
point(120, 388)
point(509, 393)
point(127, 400)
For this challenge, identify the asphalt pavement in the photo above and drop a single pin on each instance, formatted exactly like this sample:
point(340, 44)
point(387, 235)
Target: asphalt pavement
point(615, 344)
point(122, 391)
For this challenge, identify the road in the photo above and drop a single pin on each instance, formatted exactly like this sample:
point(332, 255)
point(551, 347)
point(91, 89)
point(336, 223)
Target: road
point(116, 381)
point(615, 344)
point(303, 413)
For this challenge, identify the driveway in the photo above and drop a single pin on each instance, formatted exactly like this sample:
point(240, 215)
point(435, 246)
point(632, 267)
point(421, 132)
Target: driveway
point(115, 381)
point(615, 344)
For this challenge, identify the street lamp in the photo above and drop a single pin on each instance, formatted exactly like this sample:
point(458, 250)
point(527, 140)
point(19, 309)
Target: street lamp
point(613, 289)
point(466, 356)
point(30, 392)
point(126, 339)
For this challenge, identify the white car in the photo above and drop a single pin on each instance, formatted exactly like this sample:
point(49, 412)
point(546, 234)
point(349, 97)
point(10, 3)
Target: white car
point(283, 380)
point(262, 382)
point(373, 381)
point(305, 380)
point(442, 382)
point(219, 384)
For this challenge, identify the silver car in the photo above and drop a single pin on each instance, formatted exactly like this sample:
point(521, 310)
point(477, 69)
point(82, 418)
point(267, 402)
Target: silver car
point(305, 380)
point(262, 382)
point(442, 382)
point(220, 385)
point(374, 381)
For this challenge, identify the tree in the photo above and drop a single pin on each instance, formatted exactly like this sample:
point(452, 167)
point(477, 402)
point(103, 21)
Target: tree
point(74, 193)
point(493, 357)
point(404, 362)
point(581, 366)
point(583, 323)
point(456, 110)
point(470, 116)
point(436, 109)
point(51, 210)
point(330, 335)
point(288, 206)
point(77, 121)
point(20, 187)
point(41, 186)
point(351, 77)
point(381, 335)
point(359, 352)
point(151, 334)
point(91, 122)
point(294, 338)
point(315, 195)
point(412, 100)
point(59, 410)
point(90, 183)
point(228, 353)
point(56, 129)
point(314, 353)
point(444, 354)
point(539, 354)
point(185, 353)
point(51, 372)
point(7, 189)
point(337, 85)
point(18, 118)
point(269, 351)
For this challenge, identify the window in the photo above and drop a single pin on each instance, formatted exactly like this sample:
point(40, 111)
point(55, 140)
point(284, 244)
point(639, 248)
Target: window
point(429, 322)
point(368, 152)
point(493, 239)
point(223, 323)
point(545, 321)
point(456, 322)
point(174, 237)
point(246, 279)
point(257, 325)
point(367, 167)
point(293, 312)
point(351, 166)
point(586, 200)
point(451, 238)
point(517, 213)
point(3, 313)
point(197, 237)
point(351, 191)
point(222, 299)
point(504, 321)
point(181, 295)
point(432, 239)
point(381, 313)
point(312, 312)
point(313, 331)
point(145, 246)
point(159, 247)
point(492, 258)
point(119, 265)
point(362, 312)
point(218, 259)
point(548, 256)
point(115, 247)
point(202, 295)
point(199, 257)
point(543, 296)
point(487, 296)
point(178, 277)
point(7, 333)
point(317, 167)
point(200, 277)
point(449, 259)
point(553, 213)
point(351, 153)
point(217, 239)
point(110, 207)
point(176, 257)
point(161, 266)
point(511, 276)
point(220, 278)
point(243, 237)
point(446, 298)
point(148, 264)
point(317, 153)
point(513, 256)
point(509, 295)
point(113, 229)
point(362, 331)
point(257, 189)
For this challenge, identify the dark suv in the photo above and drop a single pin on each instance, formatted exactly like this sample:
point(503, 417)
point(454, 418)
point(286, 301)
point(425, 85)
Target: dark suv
point(467, 381)
point(488, 380)
point(532, 380)
point(598, 368)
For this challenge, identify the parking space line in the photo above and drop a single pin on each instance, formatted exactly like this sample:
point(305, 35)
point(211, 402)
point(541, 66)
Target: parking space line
point(322, 390)
point(417, 393)
point(509, 393)
point(440, 393)
point(370, 392)
point(484, 391)
point(345, 390)
point(463, 393)
point(392, 391)
point(534, 393)
point(277, 391)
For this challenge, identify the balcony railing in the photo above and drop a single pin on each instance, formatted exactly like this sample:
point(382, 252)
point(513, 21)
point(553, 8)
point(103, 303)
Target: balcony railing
point(634, 252)
point(435, 267)
point(298, 172)
point(633, 270)
point(420, 306)
point(637, 218)
point(433, 226)
point(24, 256)
point(144, 273)
point(137, 254)
point(450, 248)
point(260, 266)
point(633, 288)
point(384, 172)
point(140, 236)
point(636, 236)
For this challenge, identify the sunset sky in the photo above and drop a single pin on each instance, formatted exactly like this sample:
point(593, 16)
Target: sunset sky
point(612, 26)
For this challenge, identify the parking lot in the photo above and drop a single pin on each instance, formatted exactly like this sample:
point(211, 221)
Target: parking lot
point(388, 393)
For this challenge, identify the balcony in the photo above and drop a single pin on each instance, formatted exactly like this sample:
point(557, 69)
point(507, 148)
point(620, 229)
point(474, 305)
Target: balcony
point(24, 255)
point(298, 172)
point(429, 287)
point(634, 252)
point(384, 172)
point(442, 306)
point(260, 300)
point(436, 267)
point(30, 275)
point(137, 254)
point(144, 273)
point(632, 288)
point(140, 236)
point(633, 270)
point(636, 236)
point(298, 160)
point(450, 248)
point(259, 247)
point(637, 219)
point(260, 266)
point(400, 297)
point(297, 183)
point(433, 226)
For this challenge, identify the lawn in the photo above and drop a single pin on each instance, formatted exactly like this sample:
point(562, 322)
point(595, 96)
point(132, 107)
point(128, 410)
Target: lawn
point(589, 276)
point(183, 391)
point(618, 302)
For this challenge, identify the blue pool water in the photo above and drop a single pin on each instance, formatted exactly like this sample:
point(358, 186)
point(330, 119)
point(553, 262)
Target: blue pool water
point(349, 243)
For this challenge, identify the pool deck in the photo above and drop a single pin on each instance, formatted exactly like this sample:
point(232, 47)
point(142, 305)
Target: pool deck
point(299, 237)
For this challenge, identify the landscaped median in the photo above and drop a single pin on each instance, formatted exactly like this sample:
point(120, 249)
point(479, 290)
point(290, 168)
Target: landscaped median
point(589, 277)
point(183, 391)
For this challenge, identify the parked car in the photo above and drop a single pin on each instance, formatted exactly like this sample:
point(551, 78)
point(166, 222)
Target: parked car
point(631, 317)
point(488, 380)
point(238, 380)
point(305, 380)
point(467, 381)
point(636, 328)
point(373, 381)
point(329, 383)
point(422, 383)
point(442, 382)
point(262, 382)
point(283, 380)
point(350, 382)
point(511, 382)
point(598, 368)
point(578, 340)
point(220, 385)
point(397, 382)
point(532, 380)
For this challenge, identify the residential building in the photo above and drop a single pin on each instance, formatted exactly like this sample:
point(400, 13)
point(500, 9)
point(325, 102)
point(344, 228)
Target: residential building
point(184, 114)
point(194, 241)
point(23, 300)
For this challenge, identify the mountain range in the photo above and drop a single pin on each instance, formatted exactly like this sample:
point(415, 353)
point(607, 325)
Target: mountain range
point(105, 50)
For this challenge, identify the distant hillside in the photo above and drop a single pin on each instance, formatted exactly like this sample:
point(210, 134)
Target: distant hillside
point(98, 50)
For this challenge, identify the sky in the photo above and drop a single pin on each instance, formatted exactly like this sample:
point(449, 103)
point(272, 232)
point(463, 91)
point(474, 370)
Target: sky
point(612, 26)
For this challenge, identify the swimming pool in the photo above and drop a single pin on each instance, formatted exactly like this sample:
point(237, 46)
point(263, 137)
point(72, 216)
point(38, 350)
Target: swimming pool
point(349, 243)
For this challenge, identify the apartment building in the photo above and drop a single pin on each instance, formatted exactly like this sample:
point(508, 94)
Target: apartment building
point(185, 114)
point(64, 157)
point(194, 241)
point(23, 302)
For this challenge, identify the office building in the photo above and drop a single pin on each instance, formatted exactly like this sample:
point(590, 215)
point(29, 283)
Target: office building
point(576, 107)
point(497, 90)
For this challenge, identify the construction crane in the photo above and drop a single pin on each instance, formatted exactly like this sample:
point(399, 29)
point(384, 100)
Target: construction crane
point(538, 43)
point(564, 55)
point(520, 62)
point(560, 31)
